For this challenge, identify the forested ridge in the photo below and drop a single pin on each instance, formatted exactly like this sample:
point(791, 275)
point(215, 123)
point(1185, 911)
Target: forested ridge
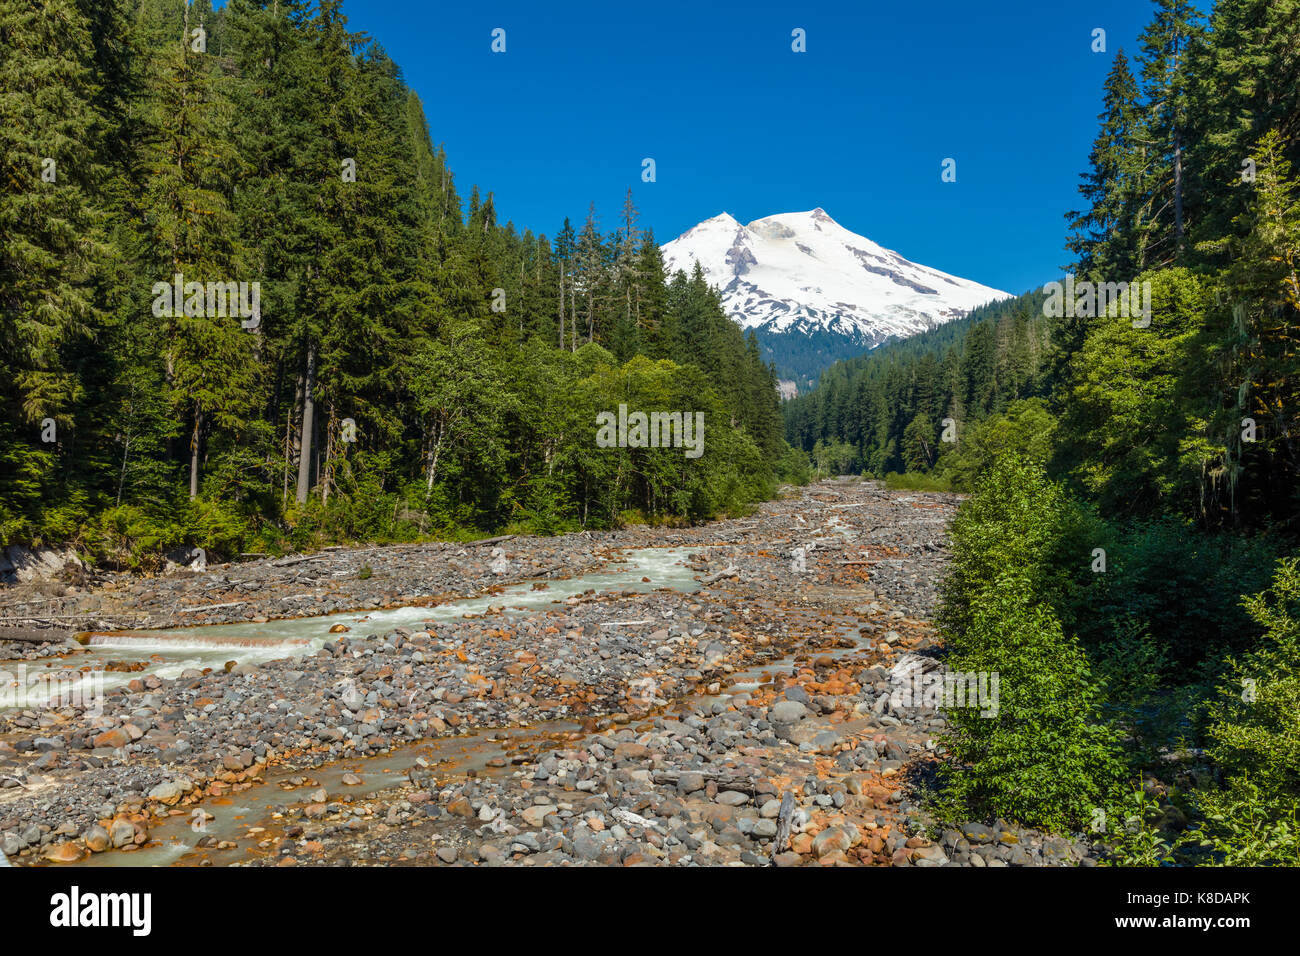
point(415, 366)
point(1128, 561)
point(884, 411)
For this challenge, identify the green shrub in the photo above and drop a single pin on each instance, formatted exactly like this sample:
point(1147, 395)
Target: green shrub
point(1046, 757)
point(834, 458)
point(1133, 834)
point(793, 467)
point(916, 481)
point(1026, 429)
point(1137, 700)
point(1183, 584)
point(1020, 519)
point(1255, 723)
point(1244, 826)
point(128, 536)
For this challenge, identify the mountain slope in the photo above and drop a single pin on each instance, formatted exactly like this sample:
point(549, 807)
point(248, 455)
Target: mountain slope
point(814, 292)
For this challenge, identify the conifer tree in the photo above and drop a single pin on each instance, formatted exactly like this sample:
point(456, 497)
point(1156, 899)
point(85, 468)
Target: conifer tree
point(1243, 85)
point(1164, 62)
point(49, 132)
point(1103, 236)
point(1261, 345)
point(189, 231)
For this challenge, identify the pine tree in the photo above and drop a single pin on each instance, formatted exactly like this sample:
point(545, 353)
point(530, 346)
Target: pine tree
point(49, 130)
point(1243, 85)
point(190, 231)
point(1261, 346)
point(656, 335)
point(565, 252)
point(590, 269)
point(1103, 236)
point(1164, 62)
point(285, 151)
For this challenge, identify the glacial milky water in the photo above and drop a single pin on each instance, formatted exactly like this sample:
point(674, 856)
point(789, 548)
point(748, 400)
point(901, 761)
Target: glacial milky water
point(211, 646)
point(168, 653)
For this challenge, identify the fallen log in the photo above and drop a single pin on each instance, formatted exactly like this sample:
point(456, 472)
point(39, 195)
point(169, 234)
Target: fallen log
point(29, 601)
point(725, 781)
point(289, 562)
point(484, 541)
point(784, 823)
point(209, 607)
point(720, 575)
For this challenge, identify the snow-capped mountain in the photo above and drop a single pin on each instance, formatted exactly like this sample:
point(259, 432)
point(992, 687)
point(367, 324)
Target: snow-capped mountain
point(816, 292)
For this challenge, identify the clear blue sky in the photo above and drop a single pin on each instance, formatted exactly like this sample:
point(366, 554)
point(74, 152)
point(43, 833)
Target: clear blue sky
point(736, 121)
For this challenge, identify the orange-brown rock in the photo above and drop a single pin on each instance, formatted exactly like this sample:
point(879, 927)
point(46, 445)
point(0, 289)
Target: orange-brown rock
point(116, 737)
point(65, 853)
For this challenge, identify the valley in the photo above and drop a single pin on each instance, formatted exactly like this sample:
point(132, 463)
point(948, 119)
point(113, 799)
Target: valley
point(628, 697)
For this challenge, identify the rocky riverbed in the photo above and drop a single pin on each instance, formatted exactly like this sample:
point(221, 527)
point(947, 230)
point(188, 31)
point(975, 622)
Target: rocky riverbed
point(752, 718)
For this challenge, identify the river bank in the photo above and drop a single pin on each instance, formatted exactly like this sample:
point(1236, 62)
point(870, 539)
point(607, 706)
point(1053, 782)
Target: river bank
point(663, 714)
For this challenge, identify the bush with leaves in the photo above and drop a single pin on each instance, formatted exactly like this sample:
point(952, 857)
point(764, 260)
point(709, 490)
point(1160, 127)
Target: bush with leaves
point(793, 467)
point(1133, 834)
point(1255, 724)
point(1020, 519)
point(1254, 737)
point(1184, 585)
point(1026, 429)
point(1243, 826)
point(916, 481)
point(834, 458)
point(1046, 757)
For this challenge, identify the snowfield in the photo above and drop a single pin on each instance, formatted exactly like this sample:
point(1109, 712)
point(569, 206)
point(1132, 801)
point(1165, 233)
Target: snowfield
point(799, 272)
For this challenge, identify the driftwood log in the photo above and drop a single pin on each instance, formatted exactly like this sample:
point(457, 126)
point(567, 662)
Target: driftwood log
point(485, 541)
point(290, 562)
point(725, 781)
point(208, 607)
point(784, 821)
point(709, 579)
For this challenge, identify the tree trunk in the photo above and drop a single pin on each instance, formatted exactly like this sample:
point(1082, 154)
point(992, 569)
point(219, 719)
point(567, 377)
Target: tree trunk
point(308, 425)
point(121, 478)
point(435, 452)
point(195, 440)
point(432, 473)
point(292, 433)
point(1178, 193)
point(327, 472)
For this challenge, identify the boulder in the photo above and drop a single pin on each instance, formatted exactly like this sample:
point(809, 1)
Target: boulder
point(186, 557)
point(38, 564)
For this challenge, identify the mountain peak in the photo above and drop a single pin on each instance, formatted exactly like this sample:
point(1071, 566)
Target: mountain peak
point(722, 221)
point(801, 279)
